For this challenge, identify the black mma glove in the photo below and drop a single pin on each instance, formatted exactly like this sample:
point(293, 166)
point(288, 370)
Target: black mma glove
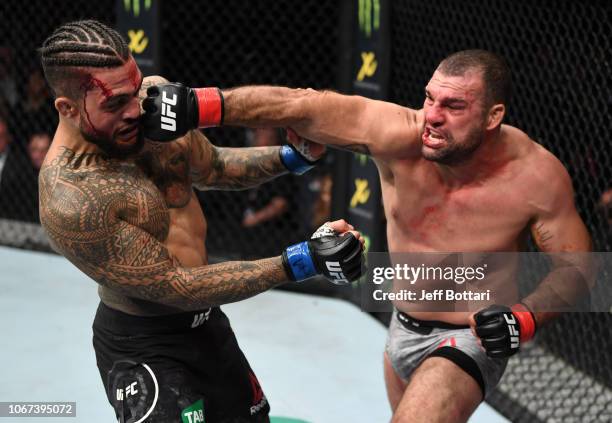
point(338, 258)
point(502, 329)
point(171, 110)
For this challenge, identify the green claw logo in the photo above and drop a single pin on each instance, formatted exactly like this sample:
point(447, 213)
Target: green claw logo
point(134, 6)
point(369, 16)
point(361, 158)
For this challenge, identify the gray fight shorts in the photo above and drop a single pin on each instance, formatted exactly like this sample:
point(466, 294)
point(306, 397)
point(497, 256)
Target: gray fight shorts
point(411, 341)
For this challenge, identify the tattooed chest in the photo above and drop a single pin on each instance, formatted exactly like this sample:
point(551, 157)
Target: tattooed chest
point(145, 209)
point(90, 206)
point(167, 166)
point(132, 197)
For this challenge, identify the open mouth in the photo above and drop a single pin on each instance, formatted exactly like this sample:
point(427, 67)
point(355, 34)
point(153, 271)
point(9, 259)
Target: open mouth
point(433, 139)
point(128, 133)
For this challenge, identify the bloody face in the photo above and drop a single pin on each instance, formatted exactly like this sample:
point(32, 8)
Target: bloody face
point(110, 109)
point(454, 117)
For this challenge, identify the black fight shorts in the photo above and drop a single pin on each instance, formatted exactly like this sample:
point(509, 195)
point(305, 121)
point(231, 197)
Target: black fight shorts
point(183, 368)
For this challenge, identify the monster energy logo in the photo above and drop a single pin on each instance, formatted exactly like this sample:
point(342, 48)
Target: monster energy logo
point(369, 16)
point(134, 5)
point(361, 158)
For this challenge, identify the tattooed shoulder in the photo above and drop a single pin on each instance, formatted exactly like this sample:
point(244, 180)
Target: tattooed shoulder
point(102, 218)
point(83, 207)
point(168, 166)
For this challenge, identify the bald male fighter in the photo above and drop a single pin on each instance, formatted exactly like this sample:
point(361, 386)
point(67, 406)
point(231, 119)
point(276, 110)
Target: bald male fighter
point(454, 178)
point(122, 209)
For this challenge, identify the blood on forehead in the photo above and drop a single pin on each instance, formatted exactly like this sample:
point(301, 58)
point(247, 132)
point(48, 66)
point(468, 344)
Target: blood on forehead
point(134, 74)
point(90, 82)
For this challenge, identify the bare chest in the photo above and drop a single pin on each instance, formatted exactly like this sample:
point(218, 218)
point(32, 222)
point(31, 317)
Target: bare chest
point(182, 225)
point(424, 215)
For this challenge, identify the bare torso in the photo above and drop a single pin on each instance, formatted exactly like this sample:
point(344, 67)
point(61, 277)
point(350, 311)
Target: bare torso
point(489, 214)
point(152, 192)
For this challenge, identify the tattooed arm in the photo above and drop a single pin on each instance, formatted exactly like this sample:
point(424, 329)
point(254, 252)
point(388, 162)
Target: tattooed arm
point(162, 280)
point(558, 229)
point(225, 168)
point(232, 168)
point(382, 129)
point(110, 225)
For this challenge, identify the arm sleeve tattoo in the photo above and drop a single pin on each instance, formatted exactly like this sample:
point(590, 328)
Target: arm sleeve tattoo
point(232, 168)
point(112, 227)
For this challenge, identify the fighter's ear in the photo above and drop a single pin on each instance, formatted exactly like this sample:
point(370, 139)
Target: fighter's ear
point(66, 107)
point(495, 116)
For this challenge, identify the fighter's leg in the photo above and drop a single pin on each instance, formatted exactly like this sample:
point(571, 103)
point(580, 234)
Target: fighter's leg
point(438, 391)
point(154, 392)
point(186, 373)
point(395, 385)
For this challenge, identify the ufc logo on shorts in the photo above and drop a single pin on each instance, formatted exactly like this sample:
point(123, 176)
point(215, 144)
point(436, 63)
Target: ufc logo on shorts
point(200, 318)
point(514, 333)
point(129, 391)
point(335, 272)
point(168, 119)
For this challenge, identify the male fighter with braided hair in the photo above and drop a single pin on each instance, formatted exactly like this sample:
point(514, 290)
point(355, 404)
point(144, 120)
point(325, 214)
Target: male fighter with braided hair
point(122, 209)
point(453, 178)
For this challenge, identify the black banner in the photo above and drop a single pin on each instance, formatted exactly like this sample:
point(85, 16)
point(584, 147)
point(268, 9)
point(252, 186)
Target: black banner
point(372, 45)
point(138, 22)
point(370, 76)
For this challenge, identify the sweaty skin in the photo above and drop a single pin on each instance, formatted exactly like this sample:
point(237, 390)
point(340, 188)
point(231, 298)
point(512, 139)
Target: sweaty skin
point(134, 224)
point(488, 201)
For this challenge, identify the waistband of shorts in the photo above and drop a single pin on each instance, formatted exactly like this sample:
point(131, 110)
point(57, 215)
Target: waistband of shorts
point(120, 322)
point(410, 322)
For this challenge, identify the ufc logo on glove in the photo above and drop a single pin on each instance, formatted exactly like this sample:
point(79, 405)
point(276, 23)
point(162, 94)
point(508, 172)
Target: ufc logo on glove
point(335, 271)
point(514, 333)
point(168, 118)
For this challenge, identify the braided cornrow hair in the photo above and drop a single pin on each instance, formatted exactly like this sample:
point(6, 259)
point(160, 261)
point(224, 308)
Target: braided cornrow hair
point(79, 44)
